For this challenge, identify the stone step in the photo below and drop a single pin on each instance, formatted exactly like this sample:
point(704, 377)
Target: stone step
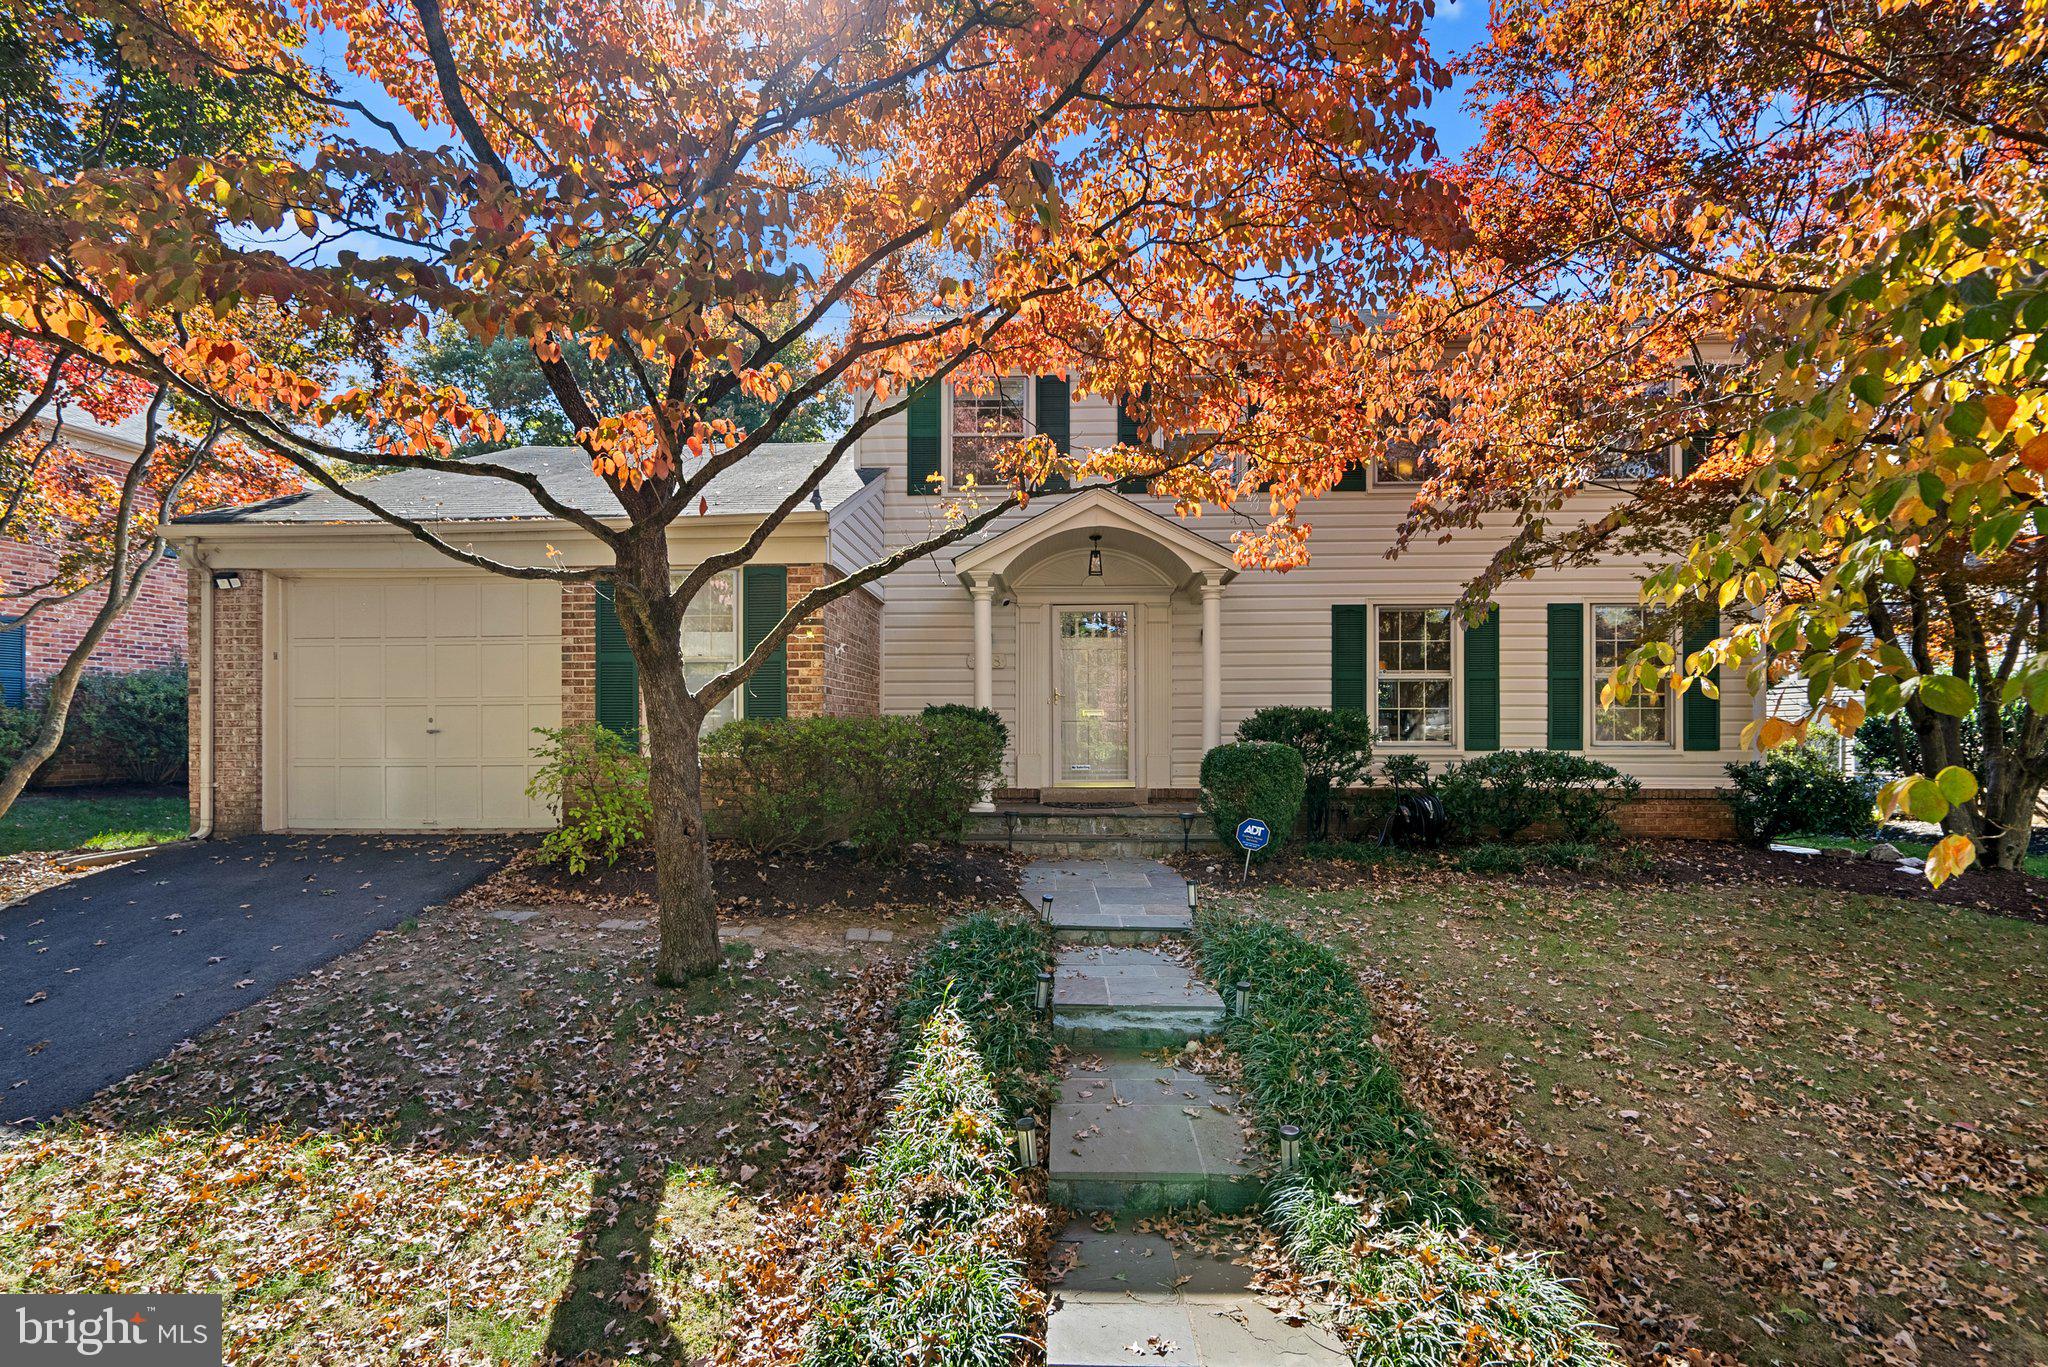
point(1123, 1297)
point(1085, 847)
point(1124, 901)
point(1105, 997)
point(1136, 1136)
point(1149, 826)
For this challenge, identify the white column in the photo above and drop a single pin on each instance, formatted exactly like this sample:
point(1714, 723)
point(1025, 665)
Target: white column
point(984, 659)
point(1212, 665)
point(984, 644)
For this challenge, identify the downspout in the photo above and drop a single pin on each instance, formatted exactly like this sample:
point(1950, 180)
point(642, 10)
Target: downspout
point(204, 828)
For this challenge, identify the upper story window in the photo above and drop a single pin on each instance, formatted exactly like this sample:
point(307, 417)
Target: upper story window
point(1645, 719)
point(983, 421)
point(1404, 463)
point(1413, 663)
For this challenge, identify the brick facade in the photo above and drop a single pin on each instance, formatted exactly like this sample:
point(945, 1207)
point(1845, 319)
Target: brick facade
point(149, 635)
point(1677, 814)
point(237, 703)
point(806, 648)
point(579, 654)
point(853, 656)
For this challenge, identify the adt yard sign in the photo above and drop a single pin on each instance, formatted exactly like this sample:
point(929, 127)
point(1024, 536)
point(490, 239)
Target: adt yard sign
point(1252, 834)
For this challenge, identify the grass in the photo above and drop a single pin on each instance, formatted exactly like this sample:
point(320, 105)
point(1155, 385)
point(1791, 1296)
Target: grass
point(2035, 864)
point(1781, 1123)
point(1485, 858)
point(504, 1119)
point(57, 821)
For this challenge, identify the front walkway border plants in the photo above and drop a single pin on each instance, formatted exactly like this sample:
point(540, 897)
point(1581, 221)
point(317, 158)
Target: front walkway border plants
point(1377, 1208)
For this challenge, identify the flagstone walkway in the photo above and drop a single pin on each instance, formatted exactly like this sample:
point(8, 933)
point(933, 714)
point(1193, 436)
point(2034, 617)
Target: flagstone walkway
point(1136, 1133)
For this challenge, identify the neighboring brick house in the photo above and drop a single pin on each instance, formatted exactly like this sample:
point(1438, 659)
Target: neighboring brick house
point(150, 634)
point(362, 680)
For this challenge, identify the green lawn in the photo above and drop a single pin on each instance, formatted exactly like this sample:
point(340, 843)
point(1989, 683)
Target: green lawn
point(1781, 1123)
point(2036, 864)
point(57, 821)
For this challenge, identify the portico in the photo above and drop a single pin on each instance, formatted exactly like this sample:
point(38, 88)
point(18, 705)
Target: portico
point(1090, 592)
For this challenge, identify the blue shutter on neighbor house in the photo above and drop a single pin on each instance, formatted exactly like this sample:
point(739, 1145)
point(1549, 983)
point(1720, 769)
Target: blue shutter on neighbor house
point(1055, 420)
point(1347, 655)
point(1567, 671)
point(13, 662)
point(1702, 714)
point(1482, 683)
point(922, 421)
point(618, 676)
point(764, 598)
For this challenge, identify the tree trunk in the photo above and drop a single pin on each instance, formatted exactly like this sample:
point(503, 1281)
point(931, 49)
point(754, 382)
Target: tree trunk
point(2008, 822)
point(686, 911)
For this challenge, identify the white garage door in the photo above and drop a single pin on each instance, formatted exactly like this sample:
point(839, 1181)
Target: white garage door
point(411, 702)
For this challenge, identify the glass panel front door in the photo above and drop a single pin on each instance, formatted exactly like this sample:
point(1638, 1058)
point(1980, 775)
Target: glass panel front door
point(1092, 696)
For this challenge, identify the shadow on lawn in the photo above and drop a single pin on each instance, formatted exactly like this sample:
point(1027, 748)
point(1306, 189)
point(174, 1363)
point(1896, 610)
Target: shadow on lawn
point(466, 1035)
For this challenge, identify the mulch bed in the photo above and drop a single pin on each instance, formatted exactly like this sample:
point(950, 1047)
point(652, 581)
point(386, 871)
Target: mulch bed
point(751, 885)
point(1682, 862)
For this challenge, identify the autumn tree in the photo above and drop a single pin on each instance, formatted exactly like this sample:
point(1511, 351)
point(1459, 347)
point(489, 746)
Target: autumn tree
point(1800, 245)
point(1197, 203)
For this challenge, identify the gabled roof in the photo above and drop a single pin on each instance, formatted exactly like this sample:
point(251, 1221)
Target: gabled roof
point(752, 487)
point(1103, 512)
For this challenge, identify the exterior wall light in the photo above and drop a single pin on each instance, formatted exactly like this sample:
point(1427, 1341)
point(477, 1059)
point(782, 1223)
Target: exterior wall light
point(227, 579)
point(1095, 556)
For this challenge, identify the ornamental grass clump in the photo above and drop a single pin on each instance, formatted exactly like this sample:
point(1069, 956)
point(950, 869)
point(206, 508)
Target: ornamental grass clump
point(925, 1255)
point(1306, 1046)
point(1423, 1295)
point(988, 965)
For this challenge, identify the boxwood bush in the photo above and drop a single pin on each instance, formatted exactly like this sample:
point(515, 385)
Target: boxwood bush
point(881, 784)
point(1498, 796)
point(1797, 789)
point(924, 1259)
point(131, 725)
point(1254, 778)
point(1335, 746)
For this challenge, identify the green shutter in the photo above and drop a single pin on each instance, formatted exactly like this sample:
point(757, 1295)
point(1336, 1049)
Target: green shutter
point(618, 677)
point(1567, 676)
point(1127, 435)
point(1693, 454)
point(1353, 481)
point(764, 598)
point(1702, 714)
point(1347, 655)
point(1482, 683)
point(922, 418)
point(1056, 420)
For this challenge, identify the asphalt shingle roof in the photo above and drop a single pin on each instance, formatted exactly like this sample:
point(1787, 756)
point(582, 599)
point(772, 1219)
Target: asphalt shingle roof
point(753, 486)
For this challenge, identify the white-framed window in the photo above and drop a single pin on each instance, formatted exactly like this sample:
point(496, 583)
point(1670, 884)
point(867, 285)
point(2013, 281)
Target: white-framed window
point(1645, 719)
point(982, 419)
point(711, 642)
point(1412, 675)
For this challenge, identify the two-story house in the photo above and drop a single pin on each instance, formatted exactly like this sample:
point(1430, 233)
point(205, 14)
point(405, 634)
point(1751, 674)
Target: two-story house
point(349, 678)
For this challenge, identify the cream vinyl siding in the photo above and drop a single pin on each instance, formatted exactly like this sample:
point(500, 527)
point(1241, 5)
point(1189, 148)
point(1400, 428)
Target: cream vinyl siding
point(1275, 627)
point(410, 701)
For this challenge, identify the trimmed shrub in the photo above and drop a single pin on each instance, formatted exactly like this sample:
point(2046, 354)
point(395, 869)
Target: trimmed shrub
point(924, 1258)
point(596, 781)
point(881, 784)
point(1426, 1296)
point(1335, 746)
point(1254, 778)
point(989, 965)
point(986, 716)
point(1503, 794)
point(1796, 789)
point(18, 727)
point(1306, 1044)
point(133, 724)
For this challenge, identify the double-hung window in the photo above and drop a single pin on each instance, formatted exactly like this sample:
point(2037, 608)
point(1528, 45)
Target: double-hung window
point(1645, 719)
point(1413, 667)
point(987, 418)
point(711, 643)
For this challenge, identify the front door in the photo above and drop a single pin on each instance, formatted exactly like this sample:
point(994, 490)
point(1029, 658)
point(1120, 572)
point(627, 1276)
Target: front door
point(1092, 697)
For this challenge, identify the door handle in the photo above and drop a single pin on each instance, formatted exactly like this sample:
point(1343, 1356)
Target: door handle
point(433, 730)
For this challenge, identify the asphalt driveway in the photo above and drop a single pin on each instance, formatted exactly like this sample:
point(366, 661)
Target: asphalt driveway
point(106, 973)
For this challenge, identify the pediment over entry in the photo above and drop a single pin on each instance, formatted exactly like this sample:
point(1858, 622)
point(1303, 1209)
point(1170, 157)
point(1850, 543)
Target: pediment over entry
point(1069, 528)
